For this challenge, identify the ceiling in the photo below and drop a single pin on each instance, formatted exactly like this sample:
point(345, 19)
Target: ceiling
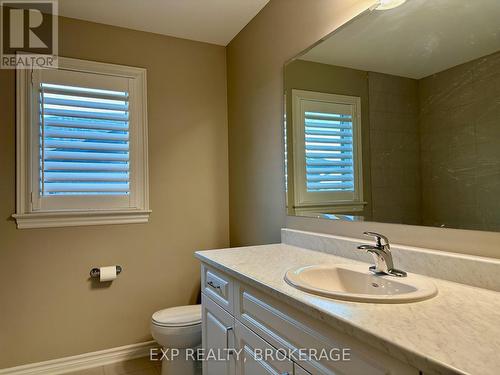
point(211, 21)
point(416, 40)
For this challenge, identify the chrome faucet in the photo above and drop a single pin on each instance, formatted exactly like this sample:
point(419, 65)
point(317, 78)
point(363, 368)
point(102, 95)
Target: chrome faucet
point(382, 255)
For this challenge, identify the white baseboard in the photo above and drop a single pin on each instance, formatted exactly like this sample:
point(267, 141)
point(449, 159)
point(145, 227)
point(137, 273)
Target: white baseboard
point(82, 361)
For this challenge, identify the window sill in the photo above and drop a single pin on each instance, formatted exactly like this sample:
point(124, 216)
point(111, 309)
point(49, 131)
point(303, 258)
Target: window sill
point(79, 218)
point(334, 207)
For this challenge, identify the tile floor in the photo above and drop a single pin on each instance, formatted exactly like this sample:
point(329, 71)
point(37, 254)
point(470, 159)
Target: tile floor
point(139, 366)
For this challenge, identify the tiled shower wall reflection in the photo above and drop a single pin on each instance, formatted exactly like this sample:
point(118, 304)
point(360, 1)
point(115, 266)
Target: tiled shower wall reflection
point(435, 147)
point(460, 145)
point(394, 149)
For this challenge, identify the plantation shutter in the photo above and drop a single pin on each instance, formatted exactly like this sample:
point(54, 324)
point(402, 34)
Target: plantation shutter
point(82, 145)
point(84, 141)
point(329, 151)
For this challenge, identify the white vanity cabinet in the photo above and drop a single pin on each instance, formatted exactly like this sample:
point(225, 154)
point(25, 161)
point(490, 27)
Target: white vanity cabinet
point(267, 335)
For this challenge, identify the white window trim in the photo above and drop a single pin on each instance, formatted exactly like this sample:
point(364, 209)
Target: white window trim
point(314, 201)
point(25, 216)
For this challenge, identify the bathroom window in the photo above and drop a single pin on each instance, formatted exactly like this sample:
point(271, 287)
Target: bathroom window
point(327, 152)
point(82, 145)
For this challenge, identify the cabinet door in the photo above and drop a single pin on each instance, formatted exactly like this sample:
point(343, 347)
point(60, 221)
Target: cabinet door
point(217, 339)
point(256, 357)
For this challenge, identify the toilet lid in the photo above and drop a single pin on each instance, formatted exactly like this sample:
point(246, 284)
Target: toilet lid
point(178, 316)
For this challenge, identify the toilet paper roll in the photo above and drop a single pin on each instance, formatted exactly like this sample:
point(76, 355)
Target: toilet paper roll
point(107, 273)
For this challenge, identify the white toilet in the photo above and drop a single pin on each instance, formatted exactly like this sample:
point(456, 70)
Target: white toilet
point(178, 328)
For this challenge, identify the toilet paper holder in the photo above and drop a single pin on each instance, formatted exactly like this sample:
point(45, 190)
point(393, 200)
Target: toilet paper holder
point(96, 272)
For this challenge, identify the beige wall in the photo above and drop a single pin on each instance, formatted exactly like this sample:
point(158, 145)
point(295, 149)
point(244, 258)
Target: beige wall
point(48, 308)
point(255, 61)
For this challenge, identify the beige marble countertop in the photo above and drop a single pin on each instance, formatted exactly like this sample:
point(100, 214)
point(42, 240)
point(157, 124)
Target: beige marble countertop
point(456, 332)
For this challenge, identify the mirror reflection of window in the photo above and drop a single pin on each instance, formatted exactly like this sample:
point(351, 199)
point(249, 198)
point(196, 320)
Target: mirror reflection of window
point(327, 152)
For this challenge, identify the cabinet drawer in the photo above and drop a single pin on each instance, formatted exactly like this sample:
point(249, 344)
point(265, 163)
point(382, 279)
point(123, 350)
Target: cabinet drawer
point(218, 286)
point(287, 328)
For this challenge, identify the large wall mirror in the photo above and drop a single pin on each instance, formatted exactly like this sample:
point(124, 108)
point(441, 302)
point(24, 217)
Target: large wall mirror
point(395, 118)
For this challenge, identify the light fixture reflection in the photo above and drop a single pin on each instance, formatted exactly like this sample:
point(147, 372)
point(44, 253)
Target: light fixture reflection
point(389, 4)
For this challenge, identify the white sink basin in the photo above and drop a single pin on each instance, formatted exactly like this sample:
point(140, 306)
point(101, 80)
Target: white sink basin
point(357, 283)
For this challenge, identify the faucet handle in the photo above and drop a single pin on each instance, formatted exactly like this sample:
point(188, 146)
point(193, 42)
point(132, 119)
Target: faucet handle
point(379, 238)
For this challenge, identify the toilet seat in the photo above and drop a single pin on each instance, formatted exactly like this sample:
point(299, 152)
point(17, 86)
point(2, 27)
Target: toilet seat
point(179, 316)
point(177, 327)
